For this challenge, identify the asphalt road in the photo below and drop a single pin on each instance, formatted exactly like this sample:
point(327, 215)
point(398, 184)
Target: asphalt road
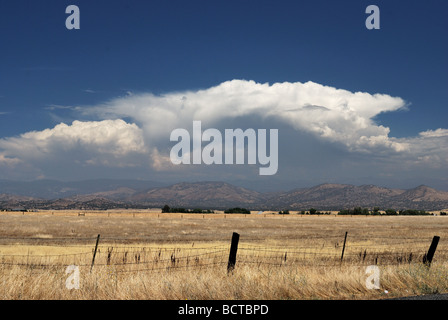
point(443, 296)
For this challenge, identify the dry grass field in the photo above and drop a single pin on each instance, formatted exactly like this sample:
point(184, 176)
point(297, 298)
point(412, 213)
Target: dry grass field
point(144, 254)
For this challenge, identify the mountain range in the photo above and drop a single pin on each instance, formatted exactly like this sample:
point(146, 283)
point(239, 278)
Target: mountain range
point(107, 194)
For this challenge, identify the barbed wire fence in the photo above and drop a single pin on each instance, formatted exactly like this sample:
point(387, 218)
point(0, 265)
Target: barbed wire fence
point(318, 251)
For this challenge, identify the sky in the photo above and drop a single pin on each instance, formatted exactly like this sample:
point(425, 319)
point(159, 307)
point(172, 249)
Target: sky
point(351, 105)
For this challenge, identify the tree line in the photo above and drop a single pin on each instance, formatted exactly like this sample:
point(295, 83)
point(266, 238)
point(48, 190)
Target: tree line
point(388, 212)
point(311, 211)
point(167, 209)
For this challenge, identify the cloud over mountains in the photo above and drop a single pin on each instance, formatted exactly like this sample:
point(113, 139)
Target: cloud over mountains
point(334, 114)
point(133, 131)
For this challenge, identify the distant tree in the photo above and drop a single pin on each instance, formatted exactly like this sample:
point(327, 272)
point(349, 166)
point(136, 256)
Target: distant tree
point(284, 212)
point(354, 211)
point(237, 210)
point(391, 212)
point(411, 212)
point(313, 211)
point(360, 211)
point(200, 211)
point(167, 209)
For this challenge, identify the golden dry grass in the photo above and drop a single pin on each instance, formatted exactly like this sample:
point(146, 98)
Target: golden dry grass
point(246, 282)
point(137, 249)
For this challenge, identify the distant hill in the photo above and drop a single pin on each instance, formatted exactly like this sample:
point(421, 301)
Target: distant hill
point(107, 194)
point(424, 194)
point(331, 196)
point(14, 198)
point(200, 194)
point(53, 189)
point(340, 196)
point(421, 197)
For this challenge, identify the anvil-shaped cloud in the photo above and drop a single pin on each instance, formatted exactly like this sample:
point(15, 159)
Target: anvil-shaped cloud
point(134, 131)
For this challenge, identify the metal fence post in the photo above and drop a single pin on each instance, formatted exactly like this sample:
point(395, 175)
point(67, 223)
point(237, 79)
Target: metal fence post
point(233, 250)
point(427, 258)
point(94, 253)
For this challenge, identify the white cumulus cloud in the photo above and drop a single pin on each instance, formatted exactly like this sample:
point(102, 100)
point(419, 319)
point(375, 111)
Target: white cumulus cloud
point(94, 141)
point(337, 117)
point(332, 114)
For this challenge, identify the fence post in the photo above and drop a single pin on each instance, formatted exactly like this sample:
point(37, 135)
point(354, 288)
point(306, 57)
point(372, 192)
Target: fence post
point(427, 258)
point(94, 253)
point(233, 250)
point(343, 247)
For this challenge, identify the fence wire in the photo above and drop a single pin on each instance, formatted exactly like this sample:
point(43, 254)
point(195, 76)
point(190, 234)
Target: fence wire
point(313, 251)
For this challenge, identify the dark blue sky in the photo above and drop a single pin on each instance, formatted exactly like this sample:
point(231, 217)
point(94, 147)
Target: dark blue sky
point(162, 46)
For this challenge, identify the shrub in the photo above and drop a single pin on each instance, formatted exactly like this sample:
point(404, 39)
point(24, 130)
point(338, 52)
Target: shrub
point(391, 212)
point(413, 212)
point(237, 210)
point(355, 211)
point(167, 209)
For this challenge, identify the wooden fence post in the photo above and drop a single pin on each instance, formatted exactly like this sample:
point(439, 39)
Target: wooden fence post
point(427, 258)
point(94, 253)
point(233, 250)
point(343, 247)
